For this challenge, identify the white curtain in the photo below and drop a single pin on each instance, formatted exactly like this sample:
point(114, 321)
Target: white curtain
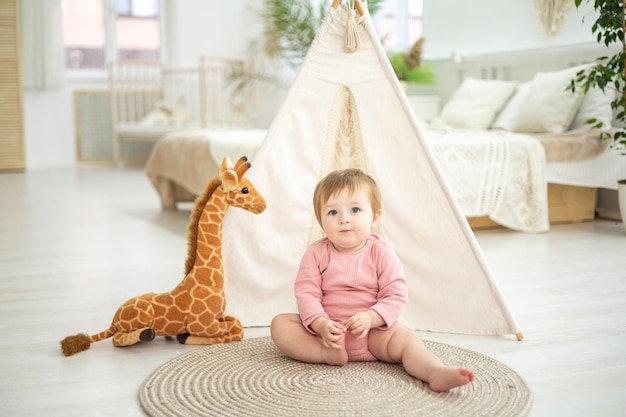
point(42, 43)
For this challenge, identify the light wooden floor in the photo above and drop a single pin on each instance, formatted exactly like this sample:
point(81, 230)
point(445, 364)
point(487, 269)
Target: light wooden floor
point(75, 243)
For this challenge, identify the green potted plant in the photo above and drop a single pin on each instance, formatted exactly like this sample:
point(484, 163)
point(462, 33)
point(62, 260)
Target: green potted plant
point(291, 25)
point(409, 68)
point(609, 74)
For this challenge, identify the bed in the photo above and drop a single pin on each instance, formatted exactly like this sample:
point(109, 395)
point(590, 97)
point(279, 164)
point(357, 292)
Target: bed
point(503, 171)
point(578, 165)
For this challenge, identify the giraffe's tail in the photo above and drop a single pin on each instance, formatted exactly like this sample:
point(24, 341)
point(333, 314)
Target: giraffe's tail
point(77, 343)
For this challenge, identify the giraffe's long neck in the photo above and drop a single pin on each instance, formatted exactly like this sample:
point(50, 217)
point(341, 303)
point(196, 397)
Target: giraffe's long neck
point(208, 269)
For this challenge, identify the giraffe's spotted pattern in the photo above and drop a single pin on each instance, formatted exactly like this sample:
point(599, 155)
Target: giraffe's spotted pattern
point(196, 306)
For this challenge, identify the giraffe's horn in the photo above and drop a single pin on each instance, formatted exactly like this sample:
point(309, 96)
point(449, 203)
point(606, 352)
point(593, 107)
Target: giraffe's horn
point(241, 166)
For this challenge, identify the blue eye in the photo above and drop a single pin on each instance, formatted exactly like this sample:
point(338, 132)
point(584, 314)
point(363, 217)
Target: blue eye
point(355, 210)
point(332, 212)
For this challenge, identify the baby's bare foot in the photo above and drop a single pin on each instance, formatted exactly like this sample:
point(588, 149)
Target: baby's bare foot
point(445, 378)
point(335, 355)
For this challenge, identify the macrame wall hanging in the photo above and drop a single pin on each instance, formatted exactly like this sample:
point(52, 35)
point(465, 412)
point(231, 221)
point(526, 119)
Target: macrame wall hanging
point(343, 147)
point(551, 15)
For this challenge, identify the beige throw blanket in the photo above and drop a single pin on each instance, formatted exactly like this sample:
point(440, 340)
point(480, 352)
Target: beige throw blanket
point(496, 174)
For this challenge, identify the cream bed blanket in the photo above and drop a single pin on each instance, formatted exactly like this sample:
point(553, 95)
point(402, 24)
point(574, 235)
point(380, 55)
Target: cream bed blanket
point(497, 174)
point(500, 175)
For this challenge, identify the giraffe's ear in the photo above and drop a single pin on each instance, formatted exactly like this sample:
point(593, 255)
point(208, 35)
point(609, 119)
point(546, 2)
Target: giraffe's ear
point(229, 180)
point(226, 164)
point(228, 175)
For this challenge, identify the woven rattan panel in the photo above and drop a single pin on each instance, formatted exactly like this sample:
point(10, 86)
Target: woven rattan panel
point(11, 101)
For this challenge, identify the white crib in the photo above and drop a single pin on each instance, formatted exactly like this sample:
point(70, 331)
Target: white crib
point(149, 100)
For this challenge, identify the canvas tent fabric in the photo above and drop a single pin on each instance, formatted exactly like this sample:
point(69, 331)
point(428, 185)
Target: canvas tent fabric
point(347, 109)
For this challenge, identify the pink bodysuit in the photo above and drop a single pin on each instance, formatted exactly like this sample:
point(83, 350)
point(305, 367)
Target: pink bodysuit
point(337, 285)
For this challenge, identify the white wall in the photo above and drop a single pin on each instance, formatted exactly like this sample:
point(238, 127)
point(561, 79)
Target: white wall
point(197, 27)
point(49, 128)
point(482, 26)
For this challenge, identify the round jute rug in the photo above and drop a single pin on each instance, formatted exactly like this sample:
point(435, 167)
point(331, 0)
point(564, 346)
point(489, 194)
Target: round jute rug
point(252, 378)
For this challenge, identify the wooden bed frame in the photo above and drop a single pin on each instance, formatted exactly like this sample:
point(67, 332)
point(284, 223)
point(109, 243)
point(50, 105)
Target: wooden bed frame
point(566, 204)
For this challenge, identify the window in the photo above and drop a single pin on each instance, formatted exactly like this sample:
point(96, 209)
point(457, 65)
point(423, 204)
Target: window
point(96, 32)
point(400, 23)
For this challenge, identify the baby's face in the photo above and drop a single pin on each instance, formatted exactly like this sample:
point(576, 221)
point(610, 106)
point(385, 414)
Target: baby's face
point(347, 219)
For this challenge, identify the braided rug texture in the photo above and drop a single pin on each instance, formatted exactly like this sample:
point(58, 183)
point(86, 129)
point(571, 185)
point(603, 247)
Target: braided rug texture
point(252, 378)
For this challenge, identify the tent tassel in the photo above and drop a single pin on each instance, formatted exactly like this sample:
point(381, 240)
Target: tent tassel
point(353, 40)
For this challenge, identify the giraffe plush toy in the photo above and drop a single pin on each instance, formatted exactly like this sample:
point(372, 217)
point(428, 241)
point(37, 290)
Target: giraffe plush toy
point(194, 310)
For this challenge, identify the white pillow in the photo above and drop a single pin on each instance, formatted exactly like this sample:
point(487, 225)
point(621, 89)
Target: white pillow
point(507, 116)
point(476, 102)
point(595, 105)
point(550, 105)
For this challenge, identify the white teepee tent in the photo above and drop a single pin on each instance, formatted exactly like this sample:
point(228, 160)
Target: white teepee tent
point(348, 109)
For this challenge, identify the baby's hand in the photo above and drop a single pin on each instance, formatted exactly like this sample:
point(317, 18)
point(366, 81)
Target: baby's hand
point(330, 331)
point(360, 324)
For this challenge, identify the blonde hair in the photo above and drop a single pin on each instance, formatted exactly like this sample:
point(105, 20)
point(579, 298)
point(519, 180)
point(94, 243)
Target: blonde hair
point(352, 179)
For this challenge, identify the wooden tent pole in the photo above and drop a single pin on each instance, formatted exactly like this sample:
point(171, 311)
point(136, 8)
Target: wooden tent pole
point(357, 5)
